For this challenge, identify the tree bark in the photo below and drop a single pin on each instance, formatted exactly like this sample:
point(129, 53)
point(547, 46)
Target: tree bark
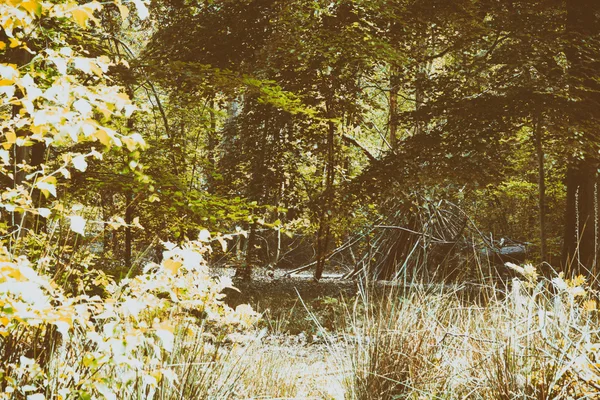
point(579, 242)
point(541, 187)
point(128, 232)
point(324, 234)
point(393, 120)
point(211, 148)
point(245, 271)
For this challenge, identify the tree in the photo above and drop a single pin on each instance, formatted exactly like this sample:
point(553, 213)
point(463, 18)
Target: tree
point(581, 239)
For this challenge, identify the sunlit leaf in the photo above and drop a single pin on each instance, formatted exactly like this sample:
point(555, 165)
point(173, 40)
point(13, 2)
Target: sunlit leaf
point(172, 266)
point(77, 224)
point(83, 107)
point(44, 212)
point(204, 235)
point(47, 186)
point(142, 10)
point(79, 163)
point(33, 7)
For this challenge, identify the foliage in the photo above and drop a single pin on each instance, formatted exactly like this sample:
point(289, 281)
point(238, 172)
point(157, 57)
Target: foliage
point(328, 109)
point(114, 346)
point(69, 342)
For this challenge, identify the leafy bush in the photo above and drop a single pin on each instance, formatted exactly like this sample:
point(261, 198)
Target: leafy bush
point(68, 341)
point(116, 347)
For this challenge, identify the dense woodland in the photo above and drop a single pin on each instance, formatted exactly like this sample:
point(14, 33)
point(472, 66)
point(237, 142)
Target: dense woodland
point(309, 125)
point(143, 142)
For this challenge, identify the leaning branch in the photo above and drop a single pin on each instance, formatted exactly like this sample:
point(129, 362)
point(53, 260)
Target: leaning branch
point(354, 142)
point(437, 239)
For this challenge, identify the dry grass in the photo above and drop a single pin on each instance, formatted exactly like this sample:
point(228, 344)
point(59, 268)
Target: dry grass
point(534, 341)
point(529, 341)
point(260, 366)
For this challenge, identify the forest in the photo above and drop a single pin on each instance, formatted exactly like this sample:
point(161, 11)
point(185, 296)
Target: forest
point(299, 199)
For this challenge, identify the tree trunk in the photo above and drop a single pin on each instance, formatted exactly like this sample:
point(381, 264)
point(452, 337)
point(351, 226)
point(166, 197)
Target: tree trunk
point(579, 242)
point(537, 132)
point(393, 121)
point(245, 271)
point(255, 194)
point(324, 233)
point(129, 198)
point(128, 232)
point(211, 148)
point(20, 154)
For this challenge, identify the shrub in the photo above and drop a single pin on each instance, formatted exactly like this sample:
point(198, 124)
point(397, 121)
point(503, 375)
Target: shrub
point(115, 347)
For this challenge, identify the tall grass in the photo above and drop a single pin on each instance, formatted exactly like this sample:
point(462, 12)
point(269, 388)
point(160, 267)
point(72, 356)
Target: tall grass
point(537, 339)
point(534, 338)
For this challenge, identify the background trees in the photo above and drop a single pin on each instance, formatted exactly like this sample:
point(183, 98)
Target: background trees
point(327, 107)
point(323, 119)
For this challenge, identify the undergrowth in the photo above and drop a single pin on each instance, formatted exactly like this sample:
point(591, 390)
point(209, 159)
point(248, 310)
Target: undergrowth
point(536, 339)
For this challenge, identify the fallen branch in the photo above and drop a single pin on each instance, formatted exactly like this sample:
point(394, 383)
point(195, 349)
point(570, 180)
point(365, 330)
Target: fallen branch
point(413, 232)
point(327, 256)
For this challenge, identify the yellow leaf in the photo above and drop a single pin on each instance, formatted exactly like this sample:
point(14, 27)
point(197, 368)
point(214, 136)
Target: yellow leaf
point(103, 137)
point(33, 7)
point(81, 16)
point(39, 129)
point(49, 178)
point(130, 143)
point(123, 10)
point(123, 96)
point(2, 45)
point(157, 375)
point(104, 110)
point(95, 69)
point(11, 137)
point(172, 266)
point(14, 42)
point(84, 13)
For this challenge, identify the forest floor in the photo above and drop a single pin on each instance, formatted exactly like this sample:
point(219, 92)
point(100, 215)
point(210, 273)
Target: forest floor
point(305, 330)
point(300, 322)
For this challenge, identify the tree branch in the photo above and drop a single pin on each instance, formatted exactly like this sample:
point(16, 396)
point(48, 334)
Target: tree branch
point(354, 142)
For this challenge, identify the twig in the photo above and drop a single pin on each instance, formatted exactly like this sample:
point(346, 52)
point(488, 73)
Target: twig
point(413, 232)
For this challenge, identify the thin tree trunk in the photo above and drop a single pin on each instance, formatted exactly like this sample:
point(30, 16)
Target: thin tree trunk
point(541, 187)
point(393, 120)
point(20, 154)
point(105, 216)
point(128, 232)
point(324, 234)
point(211, 148)
point(245, 272)
point(255, 193)
point(129, 208)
